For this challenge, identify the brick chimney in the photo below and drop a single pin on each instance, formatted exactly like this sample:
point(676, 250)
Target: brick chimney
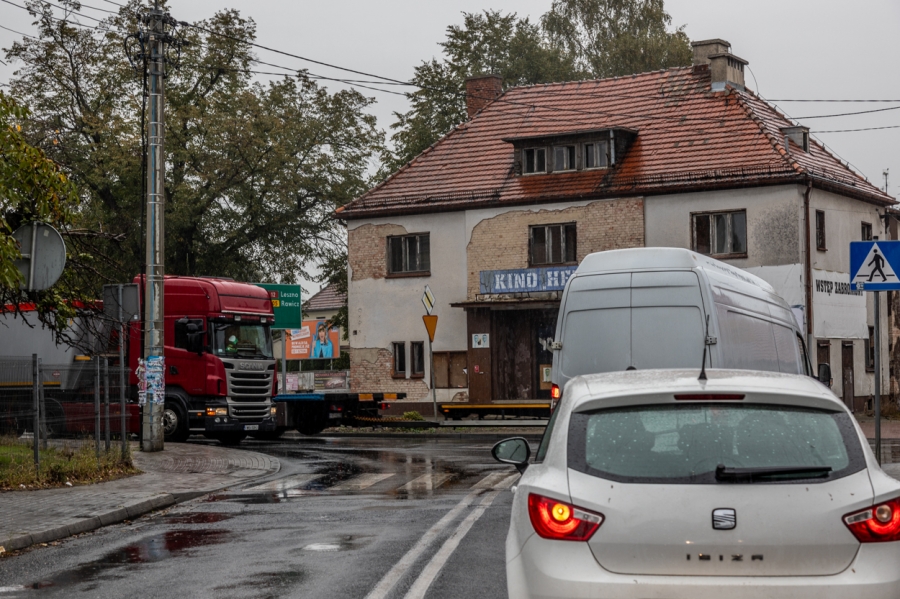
point(481, 90)
point(724, 67)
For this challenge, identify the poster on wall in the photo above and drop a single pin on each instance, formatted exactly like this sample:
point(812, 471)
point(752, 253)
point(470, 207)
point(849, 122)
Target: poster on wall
point(314, 340)
point(838, 311)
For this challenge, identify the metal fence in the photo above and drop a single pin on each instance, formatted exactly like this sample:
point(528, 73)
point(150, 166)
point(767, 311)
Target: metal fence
point(70, 407)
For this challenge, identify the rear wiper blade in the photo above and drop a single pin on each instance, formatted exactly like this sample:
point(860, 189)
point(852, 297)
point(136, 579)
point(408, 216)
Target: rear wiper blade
point(748, 474)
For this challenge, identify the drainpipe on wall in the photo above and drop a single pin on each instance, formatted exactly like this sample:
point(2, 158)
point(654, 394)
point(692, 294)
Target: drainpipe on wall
point(809, 309)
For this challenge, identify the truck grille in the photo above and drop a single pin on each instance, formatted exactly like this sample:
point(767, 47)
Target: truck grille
point(249, 412)
point(249, 386)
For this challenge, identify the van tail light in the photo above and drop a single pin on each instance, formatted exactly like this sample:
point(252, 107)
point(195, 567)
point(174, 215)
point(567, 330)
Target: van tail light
point(555, 393)
point(877, 524)
point(561, 521)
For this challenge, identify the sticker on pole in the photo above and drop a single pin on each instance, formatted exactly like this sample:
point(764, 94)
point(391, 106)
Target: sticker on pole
point(874, 265)
point(428, 299)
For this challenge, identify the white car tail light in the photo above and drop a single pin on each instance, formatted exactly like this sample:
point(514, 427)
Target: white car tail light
point(877, 524)
point(561, 521)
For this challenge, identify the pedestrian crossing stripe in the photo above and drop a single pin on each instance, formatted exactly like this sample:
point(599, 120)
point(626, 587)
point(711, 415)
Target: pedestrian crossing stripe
point(289, 486)
point(286, 483)
point(875, 268)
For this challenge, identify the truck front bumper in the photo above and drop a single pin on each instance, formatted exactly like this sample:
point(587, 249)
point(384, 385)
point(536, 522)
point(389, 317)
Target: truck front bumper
point(225, 424)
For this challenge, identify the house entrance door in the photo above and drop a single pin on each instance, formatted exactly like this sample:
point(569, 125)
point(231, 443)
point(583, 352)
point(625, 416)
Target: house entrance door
point(847, 374)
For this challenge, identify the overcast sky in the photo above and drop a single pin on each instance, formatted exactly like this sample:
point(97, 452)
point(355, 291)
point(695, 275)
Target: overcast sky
point(798, 49)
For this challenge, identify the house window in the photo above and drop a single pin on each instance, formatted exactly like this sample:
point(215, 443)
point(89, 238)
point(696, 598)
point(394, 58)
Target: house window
point(535, 160)
point(450, 369)
point(870, 350)
point(399, 359)
point(409, 254)
point(820, 230)
point(721, 234)
point(596, 155)
point(564, 158)
point(866, 232)
point(417, 358)
point(553, 244)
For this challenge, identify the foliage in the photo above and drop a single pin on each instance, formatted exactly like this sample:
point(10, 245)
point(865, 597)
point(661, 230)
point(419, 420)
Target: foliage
point(32, 187)
point(576, 39)
point(413, 415)
point(334, 273)
point(59, 465)
point(611, 38)
point(253, 171)
point(489, 42)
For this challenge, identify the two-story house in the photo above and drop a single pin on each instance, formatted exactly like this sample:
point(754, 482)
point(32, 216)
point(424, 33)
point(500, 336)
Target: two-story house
point(496, 215)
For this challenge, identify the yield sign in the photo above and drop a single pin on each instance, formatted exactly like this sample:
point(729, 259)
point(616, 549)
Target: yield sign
point(874, 265)
point(428, 299)
point(430, 325)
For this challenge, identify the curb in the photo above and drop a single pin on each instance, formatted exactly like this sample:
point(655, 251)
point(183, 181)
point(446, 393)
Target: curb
point(129, 511)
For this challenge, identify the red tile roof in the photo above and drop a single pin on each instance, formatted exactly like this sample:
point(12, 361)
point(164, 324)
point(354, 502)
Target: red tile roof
point(326, 299)
point(688, 138)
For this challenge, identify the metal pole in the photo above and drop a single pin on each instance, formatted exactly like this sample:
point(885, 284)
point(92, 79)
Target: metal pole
point(106, 403)
point(37, 410)
point(878, 376)
point(155, 251)
point(433, 392)
point(43, 404)
point(284, 336)
point(97, 406)
point(123, 426)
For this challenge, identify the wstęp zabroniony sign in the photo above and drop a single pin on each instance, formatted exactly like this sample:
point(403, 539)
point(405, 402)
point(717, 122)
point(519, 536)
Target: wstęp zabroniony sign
point(525, 280)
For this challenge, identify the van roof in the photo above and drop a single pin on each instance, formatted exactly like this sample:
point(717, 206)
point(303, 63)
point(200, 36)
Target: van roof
point(657, 258)
point(622, 388)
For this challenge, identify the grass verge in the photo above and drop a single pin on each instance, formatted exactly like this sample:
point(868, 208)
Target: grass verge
point(76, 464)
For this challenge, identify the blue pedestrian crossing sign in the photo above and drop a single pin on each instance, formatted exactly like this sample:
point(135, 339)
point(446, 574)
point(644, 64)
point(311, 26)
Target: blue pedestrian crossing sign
point(874, 265)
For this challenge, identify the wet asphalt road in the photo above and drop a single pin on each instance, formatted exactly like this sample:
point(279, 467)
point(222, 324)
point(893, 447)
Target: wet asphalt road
point(375, 518)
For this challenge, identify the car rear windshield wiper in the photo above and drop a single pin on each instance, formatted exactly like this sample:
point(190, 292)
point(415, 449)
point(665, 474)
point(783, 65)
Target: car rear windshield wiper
point(749, 474)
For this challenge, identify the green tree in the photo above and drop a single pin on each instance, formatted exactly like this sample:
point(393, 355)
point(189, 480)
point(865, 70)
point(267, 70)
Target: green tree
point(253, 171)
point(488, 42)
point(32, 188)
point(611, 38)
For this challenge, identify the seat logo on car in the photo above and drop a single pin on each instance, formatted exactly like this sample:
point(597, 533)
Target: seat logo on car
point(724, 519)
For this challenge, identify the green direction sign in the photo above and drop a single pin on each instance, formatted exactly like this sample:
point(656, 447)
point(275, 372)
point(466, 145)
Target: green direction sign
point(286, 303)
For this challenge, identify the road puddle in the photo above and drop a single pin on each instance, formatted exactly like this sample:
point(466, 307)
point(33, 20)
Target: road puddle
point(151, 549)
point(199, 518)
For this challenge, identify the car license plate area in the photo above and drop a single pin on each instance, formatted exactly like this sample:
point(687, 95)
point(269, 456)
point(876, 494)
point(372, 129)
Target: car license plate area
point(334, 415)
point(251, 427)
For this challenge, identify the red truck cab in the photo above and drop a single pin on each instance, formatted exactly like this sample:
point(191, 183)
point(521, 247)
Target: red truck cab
point(220, 370)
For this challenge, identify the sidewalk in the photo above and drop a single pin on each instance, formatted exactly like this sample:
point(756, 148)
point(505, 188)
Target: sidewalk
point(179, 473)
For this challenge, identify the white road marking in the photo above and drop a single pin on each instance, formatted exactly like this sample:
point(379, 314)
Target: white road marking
point(399, 569)
point(426, 482)
point(322, 547)
point(283, 484)
point(363, 481)
point(496, 480)
point(11, 589)
point(508, 482)
point(437, 562)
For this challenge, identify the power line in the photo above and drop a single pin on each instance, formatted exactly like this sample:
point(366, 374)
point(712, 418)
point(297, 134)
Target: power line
point(837, 101)
point(828, 116)
point(855, 130)
point(67, 22)
point(18, 32)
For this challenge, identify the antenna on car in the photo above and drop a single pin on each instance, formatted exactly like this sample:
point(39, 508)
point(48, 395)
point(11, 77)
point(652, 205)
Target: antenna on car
point(702, 376)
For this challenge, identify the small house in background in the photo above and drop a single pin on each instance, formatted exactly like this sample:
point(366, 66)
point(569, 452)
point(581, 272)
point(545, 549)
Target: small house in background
point(496, 216)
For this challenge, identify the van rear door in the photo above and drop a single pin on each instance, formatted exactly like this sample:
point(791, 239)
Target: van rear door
point(642, 319)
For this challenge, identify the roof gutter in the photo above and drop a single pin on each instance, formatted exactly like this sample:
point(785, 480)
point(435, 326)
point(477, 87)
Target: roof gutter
point(808, 274)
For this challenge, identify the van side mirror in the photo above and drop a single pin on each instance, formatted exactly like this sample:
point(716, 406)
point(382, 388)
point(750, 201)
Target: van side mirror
point(515, 451)
point(825, 374)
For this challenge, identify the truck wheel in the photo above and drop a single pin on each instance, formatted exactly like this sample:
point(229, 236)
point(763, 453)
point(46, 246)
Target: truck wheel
point(231, 439)
point(269, 435)
point(175, 424)
point(311, 427)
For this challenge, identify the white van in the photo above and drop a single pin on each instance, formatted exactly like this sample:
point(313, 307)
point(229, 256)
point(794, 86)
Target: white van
point(648, 308)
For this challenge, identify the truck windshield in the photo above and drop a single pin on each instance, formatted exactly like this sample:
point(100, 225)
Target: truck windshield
point(244, 340)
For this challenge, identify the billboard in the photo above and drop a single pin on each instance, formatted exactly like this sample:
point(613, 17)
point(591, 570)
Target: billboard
point(313, 340)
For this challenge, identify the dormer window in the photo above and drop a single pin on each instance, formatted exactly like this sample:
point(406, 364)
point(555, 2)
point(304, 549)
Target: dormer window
point(535, 160)
point(799, 135)
point(596, 154)
point(564, 158)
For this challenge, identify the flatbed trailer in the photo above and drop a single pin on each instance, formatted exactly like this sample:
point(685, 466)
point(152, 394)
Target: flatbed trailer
point(311, 413)
point(534, 408)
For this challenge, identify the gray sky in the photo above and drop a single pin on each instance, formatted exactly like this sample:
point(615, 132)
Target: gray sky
point(809, 49)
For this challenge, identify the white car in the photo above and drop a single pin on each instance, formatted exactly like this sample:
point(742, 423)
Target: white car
point(654, 484)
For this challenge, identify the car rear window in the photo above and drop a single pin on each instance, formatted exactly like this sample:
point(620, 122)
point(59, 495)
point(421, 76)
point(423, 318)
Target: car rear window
point(684, 443)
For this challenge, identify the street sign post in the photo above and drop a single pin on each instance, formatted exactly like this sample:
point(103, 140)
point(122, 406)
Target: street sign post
point(288, 315)
point(430, 321)
point(873, 267)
